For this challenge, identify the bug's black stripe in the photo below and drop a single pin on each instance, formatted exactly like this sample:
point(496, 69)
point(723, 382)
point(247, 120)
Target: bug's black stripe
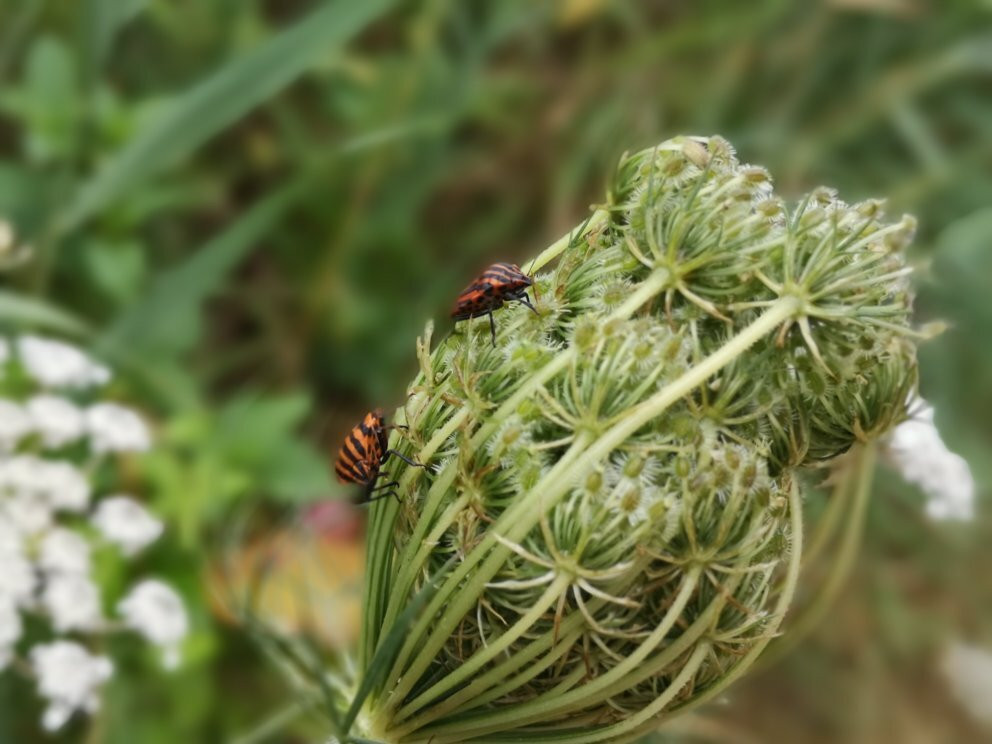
point(347, 459)
point(357, 471)
point(476, 310)
point(501, 276)
point(363, 472)
point(356, 444)
point(352, 468)
point(345, 475)
point(346, 453)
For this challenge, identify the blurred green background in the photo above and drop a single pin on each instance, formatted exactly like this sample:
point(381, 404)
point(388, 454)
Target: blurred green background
point(251, 207)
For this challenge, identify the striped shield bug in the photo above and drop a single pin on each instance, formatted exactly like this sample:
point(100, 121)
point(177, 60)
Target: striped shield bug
point(364, 452)
point(500, 283)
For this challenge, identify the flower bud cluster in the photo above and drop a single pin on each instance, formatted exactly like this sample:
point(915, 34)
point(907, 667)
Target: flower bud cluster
point(614, 482)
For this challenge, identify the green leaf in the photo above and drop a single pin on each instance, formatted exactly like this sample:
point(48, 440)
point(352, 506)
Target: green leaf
point(22, 310)
point(220, 100)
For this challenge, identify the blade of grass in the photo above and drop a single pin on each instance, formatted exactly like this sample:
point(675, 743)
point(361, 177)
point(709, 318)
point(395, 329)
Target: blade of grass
point(218, 101)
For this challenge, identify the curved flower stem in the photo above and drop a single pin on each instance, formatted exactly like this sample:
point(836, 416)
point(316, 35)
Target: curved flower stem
point(687, 674)
point(482, 690)
point(841, 565)
point(828, 522)
point(550, 704)
point(493, 649)
point(614, 732)
point(407, 563)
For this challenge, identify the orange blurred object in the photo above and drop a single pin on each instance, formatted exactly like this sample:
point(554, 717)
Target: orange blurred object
point(305, 578)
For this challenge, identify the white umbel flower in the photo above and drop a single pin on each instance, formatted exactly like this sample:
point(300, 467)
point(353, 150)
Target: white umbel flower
point(10, 630)
point(15, 424)
point(55, 364)
point(17, 580)
point(154, 610)
point(126, 523)
point(52, 484)
point(11, 540)
point(19, 474)
point(68, 677)
point(72, 602)
point(58, 420)
point(923, 459)
point(29, 513)
point(968, 671)
point(114, 428)
point(63, 551)
point(64, 485)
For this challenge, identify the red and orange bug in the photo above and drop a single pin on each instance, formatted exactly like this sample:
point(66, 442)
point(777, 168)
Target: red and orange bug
point(500, 283)
point(363, 453)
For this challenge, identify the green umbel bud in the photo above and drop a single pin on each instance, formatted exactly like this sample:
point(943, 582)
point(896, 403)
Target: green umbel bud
point(610, 516)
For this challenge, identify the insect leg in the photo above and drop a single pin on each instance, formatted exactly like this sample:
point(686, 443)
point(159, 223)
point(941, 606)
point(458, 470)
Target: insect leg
point(386, 495)
point(492, 327)
point(384, 485)
point(526, 300)
point(404, 458)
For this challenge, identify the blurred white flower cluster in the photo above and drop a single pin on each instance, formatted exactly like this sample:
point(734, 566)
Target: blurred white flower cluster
point(968, 671)
point(918, 452)
point(54, 435)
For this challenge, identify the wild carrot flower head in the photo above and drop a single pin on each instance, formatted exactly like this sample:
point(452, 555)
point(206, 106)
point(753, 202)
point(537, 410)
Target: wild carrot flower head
point(610, 532)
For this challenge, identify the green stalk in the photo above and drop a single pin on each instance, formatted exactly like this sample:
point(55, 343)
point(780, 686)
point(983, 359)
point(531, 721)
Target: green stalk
point(842, 563)
point(415, 546)
point(826, 525)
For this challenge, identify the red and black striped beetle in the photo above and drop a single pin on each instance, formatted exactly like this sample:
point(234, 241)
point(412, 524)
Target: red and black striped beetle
point(500, 283)
point(363, 453)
